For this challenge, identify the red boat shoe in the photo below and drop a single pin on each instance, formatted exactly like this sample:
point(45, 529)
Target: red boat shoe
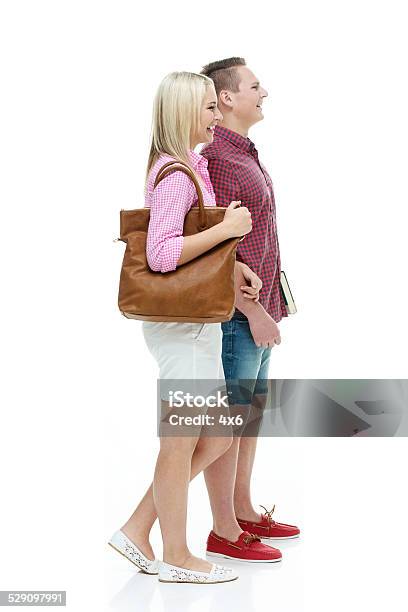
point(248, 547)
point(270, 529)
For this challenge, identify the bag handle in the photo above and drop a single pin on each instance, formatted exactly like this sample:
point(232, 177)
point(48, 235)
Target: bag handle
point(178, 165)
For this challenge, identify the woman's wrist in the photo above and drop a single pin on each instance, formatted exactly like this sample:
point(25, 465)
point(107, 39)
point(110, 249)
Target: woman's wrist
point(222, 229)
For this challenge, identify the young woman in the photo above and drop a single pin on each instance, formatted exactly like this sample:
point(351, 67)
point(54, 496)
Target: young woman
point(185, 114)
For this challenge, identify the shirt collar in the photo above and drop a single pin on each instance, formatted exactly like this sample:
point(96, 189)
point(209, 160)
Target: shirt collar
point(197, 160)
point(236, 139)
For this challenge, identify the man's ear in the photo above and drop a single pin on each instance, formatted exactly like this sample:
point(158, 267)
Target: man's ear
point(225, 97)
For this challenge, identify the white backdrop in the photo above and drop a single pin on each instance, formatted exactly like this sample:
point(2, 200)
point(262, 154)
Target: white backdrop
point(78, 81)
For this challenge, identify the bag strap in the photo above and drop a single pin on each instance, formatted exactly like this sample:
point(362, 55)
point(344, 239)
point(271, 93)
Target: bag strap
point(179, 165)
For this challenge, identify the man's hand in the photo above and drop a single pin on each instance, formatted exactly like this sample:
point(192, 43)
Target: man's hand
point(264, 330)
point(254, 286)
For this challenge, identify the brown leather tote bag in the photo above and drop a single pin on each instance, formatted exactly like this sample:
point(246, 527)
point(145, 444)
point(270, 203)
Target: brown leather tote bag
point(199, 291)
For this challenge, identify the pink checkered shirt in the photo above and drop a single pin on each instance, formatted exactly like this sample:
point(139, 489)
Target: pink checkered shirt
point(169, 203)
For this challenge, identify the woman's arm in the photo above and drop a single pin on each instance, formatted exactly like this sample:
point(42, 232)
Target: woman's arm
point(236, 222)
point(171, 201)
point(196, 245)
point(166, 247)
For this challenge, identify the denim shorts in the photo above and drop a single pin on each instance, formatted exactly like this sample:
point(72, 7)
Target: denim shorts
point(245, 365)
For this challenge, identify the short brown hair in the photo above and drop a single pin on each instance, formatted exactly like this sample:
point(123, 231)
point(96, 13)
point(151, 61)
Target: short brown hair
point(224, 73)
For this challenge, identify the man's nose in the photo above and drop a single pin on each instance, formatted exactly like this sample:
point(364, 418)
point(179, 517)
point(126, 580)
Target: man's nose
point(264, 93)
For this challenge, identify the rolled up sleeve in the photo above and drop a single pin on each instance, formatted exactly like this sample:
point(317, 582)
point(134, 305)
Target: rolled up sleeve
point(226, 186)
point(224, 181)
point(171, 201)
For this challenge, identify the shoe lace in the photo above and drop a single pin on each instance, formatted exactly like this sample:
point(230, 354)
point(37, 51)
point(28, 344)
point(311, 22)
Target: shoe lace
point(268, 514)
point(251, 538)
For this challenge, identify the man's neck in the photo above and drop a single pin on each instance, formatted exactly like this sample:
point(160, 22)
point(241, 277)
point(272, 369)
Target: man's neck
point(235, 126)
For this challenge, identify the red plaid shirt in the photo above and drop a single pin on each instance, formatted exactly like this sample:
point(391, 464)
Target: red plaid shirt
point(237, 174)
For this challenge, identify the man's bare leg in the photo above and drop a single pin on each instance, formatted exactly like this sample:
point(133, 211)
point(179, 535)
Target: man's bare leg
point(244, 508)
point(220, 481)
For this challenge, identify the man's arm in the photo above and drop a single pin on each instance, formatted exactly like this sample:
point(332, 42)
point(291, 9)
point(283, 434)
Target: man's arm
point(264, 330)
point(225, 183)
point(226, 186)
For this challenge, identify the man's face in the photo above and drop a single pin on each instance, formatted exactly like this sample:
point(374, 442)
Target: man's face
point(247, 102)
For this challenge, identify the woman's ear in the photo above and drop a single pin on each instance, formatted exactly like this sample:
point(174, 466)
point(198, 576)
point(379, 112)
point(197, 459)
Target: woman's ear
point(225, 97)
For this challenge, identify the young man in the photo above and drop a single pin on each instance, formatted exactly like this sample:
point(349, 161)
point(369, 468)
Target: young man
point(237, 174)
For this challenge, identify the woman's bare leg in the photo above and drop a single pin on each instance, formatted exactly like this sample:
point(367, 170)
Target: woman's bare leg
point(138, 526)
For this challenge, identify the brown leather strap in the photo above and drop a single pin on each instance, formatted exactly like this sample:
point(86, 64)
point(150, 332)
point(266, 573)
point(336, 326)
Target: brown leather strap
point(179, 165)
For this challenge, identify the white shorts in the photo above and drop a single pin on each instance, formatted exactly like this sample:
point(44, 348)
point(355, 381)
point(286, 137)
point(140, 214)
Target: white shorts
point(188, 351)
point(190, 362)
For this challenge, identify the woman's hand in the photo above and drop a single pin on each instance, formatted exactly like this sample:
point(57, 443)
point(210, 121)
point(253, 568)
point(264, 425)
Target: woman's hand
point(237, 220)
point(254, 286)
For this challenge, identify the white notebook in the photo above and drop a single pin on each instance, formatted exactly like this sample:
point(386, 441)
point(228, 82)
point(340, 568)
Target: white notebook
point(287, 294)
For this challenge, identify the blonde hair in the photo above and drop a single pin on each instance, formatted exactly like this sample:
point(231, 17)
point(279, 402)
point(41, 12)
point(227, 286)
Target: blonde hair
point(176, 115)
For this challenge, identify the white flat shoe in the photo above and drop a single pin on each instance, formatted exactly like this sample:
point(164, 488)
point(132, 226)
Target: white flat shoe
point(218, 573)
point(128, 549)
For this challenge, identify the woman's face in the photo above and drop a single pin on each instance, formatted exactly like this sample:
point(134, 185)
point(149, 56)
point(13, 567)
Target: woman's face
point(209, 117)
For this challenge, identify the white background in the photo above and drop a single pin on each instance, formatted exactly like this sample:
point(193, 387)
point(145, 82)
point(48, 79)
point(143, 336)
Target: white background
point(77, 80)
